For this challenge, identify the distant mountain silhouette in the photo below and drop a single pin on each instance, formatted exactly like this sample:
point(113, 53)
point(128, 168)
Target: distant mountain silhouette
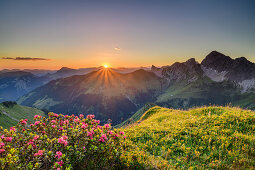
point(17, 83)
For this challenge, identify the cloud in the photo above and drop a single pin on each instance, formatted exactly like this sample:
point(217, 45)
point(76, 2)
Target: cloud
point(7, 58)
point(117, 48)
point(24, 58)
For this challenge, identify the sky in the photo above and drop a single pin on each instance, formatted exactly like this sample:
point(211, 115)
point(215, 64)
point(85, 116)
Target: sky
point(50, 34)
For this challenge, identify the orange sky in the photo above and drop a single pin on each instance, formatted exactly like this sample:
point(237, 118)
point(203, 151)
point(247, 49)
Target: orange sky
point(114, 59)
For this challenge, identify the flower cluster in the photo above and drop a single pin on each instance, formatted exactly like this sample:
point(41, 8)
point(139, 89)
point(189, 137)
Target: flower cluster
point(60, 142)
point(63, 140)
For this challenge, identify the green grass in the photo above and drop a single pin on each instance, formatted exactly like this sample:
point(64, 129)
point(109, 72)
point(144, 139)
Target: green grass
point(185, 90)
point(206, 137)
point(17, 112)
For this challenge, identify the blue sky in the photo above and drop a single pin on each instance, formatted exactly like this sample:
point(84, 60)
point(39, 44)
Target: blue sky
point(123, 32)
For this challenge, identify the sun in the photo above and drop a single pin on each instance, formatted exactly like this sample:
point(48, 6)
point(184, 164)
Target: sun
point(106, 66)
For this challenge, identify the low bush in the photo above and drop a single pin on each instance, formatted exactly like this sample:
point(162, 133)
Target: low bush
point(9, 104)
point(61, 142)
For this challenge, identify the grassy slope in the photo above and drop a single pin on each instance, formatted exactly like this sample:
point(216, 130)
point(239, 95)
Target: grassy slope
point(207, 137)
point(206, 91)
point(17, 112)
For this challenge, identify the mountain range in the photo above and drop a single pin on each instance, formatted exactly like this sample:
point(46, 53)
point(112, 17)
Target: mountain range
point(15, 83)
point(105, 93)
point(117, 93)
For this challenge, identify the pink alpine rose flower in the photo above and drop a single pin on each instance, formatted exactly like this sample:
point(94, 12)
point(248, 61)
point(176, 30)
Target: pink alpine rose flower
point(37, 116)
point(8, 139)
point(2, 150)
point(37, 123)
point(66, 122)
point(39, 153)
point(58, 154)
point(84, 126)
point(12, 129)
point(76, 120)
point(23, 122)
point(36, 137)
point(90, 116)
point(103, 138)
point(107, 126)
point(53, 121)
point(62, 140)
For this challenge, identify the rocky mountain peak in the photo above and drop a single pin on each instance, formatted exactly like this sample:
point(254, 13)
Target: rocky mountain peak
point(243, 60)
point(65, 69)
point(217, 64)
point(189, 70)
point(217, 61)
point(154, 68)
point(191, 61)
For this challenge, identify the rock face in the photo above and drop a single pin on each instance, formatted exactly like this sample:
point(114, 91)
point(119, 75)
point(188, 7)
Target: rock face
point(156, 70)
point(189, 70)
point(217, 61)
point(236, 70)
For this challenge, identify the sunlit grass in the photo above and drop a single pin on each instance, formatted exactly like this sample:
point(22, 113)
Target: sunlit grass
point(207, 137)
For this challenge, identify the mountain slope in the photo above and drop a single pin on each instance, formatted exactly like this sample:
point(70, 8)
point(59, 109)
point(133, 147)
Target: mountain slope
point(190, 84)
point(204, 91)
point(219, 67)
point(15, 84)
point(201, 138)
point(67, 72)
point(105, 93)
point(9, 116)
point(189, 70)
point(237, 70)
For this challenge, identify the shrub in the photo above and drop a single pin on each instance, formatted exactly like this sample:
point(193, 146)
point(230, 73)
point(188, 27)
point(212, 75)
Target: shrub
point(61, 142)
point(9, 104)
